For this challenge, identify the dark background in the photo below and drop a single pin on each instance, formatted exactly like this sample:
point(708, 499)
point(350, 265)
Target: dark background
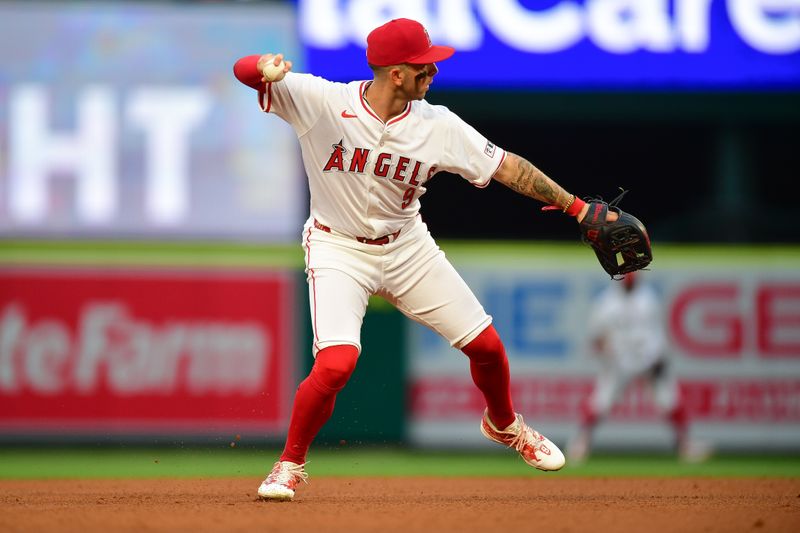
point(699, 167)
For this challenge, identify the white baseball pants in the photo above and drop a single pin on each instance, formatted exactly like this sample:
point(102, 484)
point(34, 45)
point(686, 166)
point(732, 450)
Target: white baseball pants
point(412, 273)
point(612, 382)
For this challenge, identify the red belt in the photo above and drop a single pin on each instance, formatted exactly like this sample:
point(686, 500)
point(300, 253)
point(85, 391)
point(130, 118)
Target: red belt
point(386, 239)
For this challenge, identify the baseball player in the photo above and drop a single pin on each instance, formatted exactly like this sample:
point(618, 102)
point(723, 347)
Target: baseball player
point(627, 333)
point(369, 149)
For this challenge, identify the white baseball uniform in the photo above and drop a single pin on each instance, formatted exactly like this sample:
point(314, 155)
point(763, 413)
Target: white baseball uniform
point(366, 178)
point(632, 327)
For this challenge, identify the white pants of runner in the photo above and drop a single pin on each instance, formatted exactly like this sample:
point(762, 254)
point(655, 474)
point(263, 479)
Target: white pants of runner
point(412, 273)
point(611, 382)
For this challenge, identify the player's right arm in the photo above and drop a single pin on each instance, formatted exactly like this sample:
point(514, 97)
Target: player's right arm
point(296, 98)
point(248, 69)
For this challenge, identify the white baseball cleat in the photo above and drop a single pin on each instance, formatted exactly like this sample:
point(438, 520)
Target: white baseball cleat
point(534, 448)
point(282, 481)
point(694, 451)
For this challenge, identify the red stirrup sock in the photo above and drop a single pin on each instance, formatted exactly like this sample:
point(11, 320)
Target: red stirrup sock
point(680, 424)
point(488, 365)
point(588, 416)
point(315, 398)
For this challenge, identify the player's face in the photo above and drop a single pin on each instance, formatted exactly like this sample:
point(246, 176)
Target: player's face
point(419, 78)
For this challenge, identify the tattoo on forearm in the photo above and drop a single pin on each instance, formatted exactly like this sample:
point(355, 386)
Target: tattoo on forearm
point(532, 182)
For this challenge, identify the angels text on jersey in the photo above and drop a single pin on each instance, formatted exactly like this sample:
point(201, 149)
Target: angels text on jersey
point(393, 167)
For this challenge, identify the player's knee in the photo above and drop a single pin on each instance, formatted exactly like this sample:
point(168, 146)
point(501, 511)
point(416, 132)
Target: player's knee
point(486, 347)
point(334, 366)
point(678, 415)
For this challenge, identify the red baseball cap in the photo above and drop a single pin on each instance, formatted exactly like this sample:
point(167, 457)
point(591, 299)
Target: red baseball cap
point(403, 41)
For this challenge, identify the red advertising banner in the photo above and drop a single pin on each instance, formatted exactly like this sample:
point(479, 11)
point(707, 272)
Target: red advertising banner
point(727, 400)
point(155, 351)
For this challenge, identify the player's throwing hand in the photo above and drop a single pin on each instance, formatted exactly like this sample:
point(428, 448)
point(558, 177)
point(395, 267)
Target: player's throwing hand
point(272, 67)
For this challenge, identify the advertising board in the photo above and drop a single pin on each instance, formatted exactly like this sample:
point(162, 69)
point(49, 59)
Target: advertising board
point(170, 352)
point(124, 119)
point(734, 348)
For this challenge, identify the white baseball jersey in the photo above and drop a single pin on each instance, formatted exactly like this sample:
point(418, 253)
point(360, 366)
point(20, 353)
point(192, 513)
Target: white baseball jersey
point(366, 176)
point(632, 325)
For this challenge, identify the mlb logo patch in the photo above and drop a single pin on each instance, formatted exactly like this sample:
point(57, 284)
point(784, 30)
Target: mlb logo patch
point(489, 150)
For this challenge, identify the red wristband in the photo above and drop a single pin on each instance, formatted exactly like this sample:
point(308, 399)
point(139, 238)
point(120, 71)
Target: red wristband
point(246, 71)
point(575, 207)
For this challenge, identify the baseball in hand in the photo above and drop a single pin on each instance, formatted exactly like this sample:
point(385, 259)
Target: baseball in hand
point(273, 72)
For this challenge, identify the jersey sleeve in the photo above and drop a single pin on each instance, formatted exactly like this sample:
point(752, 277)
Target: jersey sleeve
point(297, 98)
point(468, 153)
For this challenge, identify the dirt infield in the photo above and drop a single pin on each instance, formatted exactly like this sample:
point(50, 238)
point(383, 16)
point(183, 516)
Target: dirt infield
point(538, 503)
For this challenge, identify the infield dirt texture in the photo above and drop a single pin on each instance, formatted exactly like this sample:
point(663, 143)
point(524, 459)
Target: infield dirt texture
point(354, 488)
point(432, 504)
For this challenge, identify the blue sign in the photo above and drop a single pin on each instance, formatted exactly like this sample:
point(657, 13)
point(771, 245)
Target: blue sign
point(529, 314)
point(574, 44)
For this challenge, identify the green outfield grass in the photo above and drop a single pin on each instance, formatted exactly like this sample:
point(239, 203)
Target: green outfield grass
point(122, 462)
point(149, 253)
point(246, 254)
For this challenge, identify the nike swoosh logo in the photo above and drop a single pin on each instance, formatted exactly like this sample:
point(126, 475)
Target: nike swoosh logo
point(345, 114)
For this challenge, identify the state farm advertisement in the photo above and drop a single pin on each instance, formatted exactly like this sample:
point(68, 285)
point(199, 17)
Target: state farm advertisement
point(173, 352)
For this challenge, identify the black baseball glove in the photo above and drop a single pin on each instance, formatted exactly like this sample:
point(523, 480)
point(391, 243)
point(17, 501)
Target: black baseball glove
point(621, 246)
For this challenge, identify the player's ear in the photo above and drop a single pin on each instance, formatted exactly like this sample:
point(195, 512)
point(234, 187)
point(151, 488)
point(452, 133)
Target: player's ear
point(396, 75)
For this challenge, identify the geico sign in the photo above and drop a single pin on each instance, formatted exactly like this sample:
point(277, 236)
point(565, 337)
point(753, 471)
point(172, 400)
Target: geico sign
point(615, 26)
point(725, 319)
point(110, 348)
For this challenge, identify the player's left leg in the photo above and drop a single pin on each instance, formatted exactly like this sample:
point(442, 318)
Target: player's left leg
point(426, 288)
point(488, 365)
point(665, 394)
point(671, 403)
point(579, 445)
point(608, 385)
point(490, 373)
point(423, 284)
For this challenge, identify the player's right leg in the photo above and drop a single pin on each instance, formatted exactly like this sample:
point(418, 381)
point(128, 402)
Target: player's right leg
point(337, 303)
point(337, 299)
point(313, 406)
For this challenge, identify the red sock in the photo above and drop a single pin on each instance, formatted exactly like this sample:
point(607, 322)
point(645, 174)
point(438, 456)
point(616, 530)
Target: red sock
point(588, 416)
point(680, 422)
point(488, 365)
point(315, 398)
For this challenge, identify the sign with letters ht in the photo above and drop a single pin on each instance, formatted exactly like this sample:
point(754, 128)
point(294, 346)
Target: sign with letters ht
point(169, 352)
point(575, 44)
point(124, 119)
